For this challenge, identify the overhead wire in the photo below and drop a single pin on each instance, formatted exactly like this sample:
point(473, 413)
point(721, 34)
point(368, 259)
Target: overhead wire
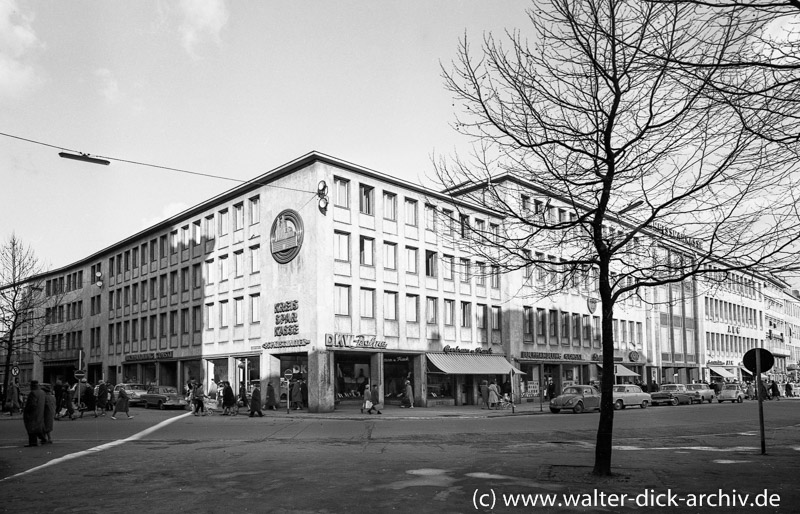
point(157, 166)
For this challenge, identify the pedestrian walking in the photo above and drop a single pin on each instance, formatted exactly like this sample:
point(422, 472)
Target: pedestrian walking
point(375, 399)
point(366, 402)
point(33, 415)
point(197, 397)
point(243, 396)
point(69, 395)
point(49, 412)
point(775, 390)
point(87, 400)
point(788, 388)
point(484, 389)
point(12, 402)
point(255, 401)
point(102, 398)
point(228, 399)
point(121, 404)
point(272, 402)
point(494, 395)
point(408, 398)
point(297, 396)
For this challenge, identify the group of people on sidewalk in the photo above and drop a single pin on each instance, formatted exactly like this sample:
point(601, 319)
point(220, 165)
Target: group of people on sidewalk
point(222, 394)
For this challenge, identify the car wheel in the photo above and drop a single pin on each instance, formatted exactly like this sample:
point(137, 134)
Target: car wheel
point(644, 404)
point(618, 405)
point(554, 411)
point(739, 400)
point(675, 401)
point(161, 405)
point(578, 408)
point(711, 400)
point(146, 405)
point(720, 401)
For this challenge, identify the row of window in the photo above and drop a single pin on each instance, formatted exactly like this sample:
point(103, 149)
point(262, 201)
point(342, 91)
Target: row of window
point(68, 341)
point(485, 316)
point(61, 285)
point(447, 219)
point(729, 344)
point(717, 310)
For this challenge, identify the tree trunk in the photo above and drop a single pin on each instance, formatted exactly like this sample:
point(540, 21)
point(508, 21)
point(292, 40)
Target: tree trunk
point(605, 429)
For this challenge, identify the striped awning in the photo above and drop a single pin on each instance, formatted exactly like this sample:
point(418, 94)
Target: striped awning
point(724, 373)
point(472, 364)
point(622, 371)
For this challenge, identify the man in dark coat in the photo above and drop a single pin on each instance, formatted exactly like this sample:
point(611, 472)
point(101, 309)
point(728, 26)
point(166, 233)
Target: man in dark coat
point(255, 401)
point(49, 412)
point(228, 399)
point(102, 398)
point(33, 415)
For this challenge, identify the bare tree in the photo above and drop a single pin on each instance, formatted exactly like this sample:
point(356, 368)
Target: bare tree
point(627, 115)
point(21, 302)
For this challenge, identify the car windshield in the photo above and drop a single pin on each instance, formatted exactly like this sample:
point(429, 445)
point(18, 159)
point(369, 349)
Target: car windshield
point(619, 389)
point(670, 388)
point(573, 390)
point(695, 386)
point(136, 387)
point(731, 387)
point(169, 390)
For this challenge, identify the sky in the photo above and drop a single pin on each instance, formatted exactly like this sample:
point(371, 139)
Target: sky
point(217, 87)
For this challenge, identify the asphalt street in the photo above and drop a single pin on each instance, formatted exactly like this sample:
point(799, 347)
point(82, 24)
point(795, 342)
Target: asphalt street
point(420, 460)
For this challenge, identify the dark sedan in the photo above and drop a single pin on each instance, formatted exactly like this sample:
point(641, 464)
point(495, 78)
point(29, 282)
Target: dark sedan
point(672, 394)
point(164, 397)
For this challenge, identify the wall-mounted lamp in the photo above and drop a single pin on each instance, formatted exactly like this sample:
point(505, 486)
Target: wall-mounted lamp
point(99, 277)
point(322, 193)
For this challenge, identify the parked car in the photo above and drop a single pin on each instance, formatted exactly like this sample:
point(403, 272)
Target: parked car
point(135, 392)
point(627, 395)
point(577, 399)
point(672, 394)
point(164, 397)
point(702, 392)
point(732, 393)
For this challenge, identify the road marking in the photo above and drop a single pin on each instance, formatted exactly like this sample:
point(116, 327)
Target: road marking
point(102, 447)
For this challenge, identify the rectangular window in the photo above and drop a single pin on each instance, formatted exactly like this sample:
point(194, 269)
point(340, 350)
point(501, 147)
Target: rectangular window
point(496, 317)
point(430, 310)
point(224, 223)
point(197, 276)
point(255, 308)
point(238, 216)
point(173, 323)
point(255, 210)
point(185, 321)
point(431, 259)
point(553, 322)
point(163, 286)
point(411, 260)
point(223, 314)
point(389, 206)
point(224, 270)
point(390, 305)
point(197, 319)
point(209, 273)
point(208, 228)
point(430, 217)
point(173, 242)
point(480, 277)
point(185, 237)
point(366, 199)
point(466, 314)
point(464, 225)
point(255, 260)
point(238, 263)
point(480, 316)
point(527, 320)
point(449, 312)
point(411, 212)
point(495, 232)
point(162, 325)
point(196, 233)
point(366, 250)
point(153, 250)
point(541, 322)
point(209, 317)
point(464, 271)
point(447, 221)
point(341, 300)
point(412, 308)
point(495, 277)
point(153, 326)
point(447, 267)
point(367, 303)
point(341, 192)
point(389, 255)
point(341, 246)
point(238, 311)
point(173, 282)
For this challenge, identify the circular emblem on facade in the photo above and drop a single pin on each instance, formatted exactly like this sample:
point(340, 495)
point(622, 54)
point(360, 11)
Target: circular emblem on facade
point(634, 356)
point(286, 236)
point(591, 304)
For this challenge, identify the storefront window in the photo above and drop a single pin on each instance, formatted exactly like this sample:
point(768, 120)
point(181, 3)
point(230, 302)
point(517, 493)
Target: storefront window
point(440, 385)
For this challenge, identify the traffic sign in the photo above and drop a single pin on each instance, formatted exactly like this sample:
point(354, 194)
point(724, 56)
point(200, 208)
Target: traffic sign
point(766, 357)
point(15, 371)
point(80, 374)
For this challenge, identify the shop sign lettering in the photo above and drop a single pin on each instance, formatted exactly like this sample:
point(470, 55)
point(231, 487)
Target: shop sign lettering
point(458, 349)
point(149, 356)
point(733, 330)
point(599, 357)
point(353, 341)
point(552, 356)
point(285, 344)
point(286, 318)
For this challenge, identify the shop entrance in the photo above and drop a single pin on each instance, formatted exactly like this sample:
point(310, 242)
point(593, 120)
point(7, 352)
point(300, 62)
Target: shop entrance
point(396, 370)
point(352, 375)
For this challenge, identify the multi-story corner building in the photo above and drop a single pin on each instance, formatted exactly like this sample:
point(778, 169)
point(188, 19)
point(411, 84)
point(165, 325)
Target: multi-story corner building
point(337, 274)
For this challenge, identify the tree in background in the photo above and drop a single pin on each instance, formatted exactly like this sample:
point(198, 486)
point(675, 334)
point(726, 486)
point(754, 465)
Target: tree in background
point(22, 306)
point(663, 161)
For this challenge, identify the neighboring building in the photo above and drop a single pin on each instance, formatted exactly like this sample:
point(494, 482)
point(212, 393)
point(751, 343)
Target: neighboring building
point(371, 282)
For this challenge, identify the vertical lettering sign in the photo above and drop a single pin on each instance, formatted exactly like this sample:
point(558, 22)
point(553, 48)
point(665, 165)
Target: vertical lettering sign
point(286, 320)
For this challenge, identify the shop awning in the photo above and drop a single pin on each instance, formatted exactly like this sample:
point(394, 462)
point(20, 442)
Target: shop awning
point(472, 364)
point(724, 373)
point(622, 371)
